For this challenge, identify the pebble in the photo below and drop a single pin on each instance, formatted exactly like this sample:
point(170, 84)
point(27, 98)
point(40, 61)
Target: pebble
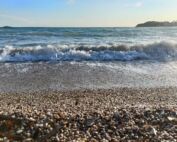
point(28, 140)
point(28, 134)
point(153, 131)
point(172, 118)
point(49, 113)
point(108, 137)
point(32, 119)
point(39, 125)
point(57, 138)
point(19, 131)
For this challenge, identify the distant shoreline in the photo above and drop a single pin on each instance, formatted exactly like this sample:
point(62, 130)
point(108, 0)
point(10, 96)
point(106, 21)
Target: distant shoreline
point(146, 24)
point(157, 24)
point(6, 27)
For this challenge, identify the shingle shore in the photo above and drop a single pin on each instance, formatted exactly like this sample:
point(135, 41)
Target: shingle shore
point(89, 115)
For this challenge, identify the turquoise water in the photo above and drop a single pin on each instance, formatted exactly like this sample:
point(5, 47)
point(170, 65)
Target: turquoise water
point(87, 44)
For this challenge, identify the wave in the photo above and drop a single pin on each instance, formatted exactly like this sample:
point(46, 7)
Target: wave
point(163, 51)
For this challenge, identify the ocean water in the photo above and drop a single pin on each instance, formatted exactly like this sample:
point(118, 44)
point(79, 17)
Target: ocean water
point(74, 58)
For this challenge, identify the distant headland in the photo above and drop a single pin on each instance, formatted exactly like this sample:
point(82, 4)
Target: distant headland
point(7, 27)
point(157, 24)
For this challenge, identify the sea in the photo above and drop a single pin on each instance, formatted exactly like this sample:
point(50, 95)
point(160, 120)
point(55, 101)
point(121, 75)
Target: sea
point(33, 59)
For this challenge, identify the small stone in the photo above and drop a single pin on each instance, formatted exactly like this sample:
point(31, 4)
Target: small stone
point(40, 125)
point(108, 137)
point(117, 116)
point(88, 134)
point(62, 114)
point(90, 122)
point(114, 140)
point(28, 140)
point(19, 131)
point(32, 119)
point(104, 140)
point(57, 138)
point(28, 134)
point(153, 131)
point(93, 140)
point(165, 134)
point(171, 118)
point(49, 113)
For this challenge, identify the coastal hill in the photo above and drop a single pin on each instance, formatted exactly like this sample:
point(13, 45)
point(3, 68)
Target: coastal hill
point(157, 24)
point(7, 27)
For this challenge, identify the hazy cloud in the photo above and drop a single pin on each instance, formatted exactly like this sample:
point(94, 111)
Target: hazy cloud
point(71, 1)
point(138, 4)
point(16, 18)
point(135, 5)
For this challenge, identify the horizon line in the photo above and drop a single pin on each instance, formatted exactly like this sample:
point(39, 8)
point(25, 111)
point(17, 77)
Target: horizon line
point(67, 26)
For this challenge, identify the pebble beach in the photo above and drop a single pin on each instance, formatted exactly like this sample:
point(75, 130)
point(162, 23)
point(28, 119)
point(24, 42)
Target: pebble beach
point(122, 114)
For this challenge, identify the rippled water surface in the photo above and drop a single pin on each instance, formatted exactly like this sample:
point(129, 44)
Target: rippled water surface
point(73, 58)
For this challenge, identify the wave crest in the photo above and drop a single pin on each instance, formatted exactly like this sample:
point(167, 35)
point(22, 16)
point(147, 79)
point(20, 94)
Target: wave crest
point(163, 51)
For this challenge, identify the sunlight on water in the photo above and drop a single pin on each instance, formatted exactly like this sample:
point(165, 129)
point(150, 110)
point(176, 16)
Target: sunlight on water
point(73, 58)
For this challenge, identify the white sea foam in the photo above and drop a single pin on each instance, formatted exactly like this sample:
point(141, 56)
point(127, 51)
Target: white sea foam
point(162, 51)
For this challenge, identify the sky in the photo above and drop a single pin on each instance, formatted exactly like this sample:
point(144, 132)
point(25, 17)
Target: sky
point(85, 13)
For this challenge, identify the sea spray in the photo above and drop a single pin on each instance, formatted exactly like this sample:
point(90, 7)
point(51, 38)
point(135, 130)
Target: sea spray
point(162, 51)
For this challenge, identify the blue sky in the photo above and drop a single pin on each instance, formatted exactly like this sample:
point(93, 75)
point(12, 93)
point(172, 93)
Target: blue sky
point(85, 13)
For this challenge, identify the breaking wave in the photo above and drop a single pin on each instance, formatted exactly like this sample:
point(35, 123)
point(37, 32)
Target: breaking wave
point(163, 51)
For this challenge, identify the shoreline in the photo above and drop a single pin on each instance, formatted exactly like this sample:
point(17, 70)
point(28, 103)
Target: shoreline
point(90, 115)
